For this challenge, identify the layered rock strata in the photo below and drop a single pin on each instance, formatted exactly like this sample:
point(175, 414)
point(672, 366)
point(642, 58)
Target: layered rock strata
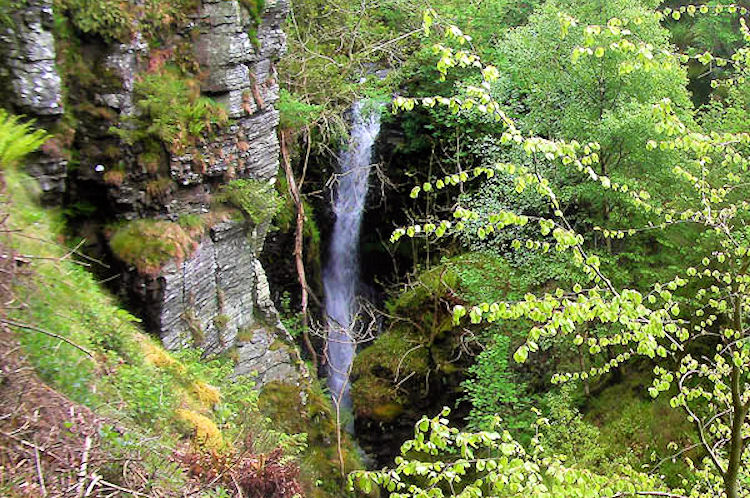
point(218, 297)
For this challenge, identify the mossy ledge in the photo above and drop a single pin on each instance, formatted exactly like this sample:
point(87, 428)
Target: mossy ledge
point(148, 245)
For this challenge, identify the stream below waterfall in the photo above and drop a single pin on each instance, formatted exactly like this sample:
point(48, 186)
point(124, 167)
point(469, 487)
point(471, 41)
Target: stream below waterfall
point(341, 274)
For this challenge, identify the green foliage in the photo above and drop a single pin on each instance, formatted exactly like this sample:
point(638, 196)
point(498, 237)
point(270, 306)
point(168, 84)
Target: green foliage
point(637, 429)
point(116, 21)
point(112, 20)
point(569, 434)
point(294, 113)
point(442, 461)
point(494, 390)
point(17, 139)
point(255, 9)
point(150, 244)
point(292, 320)
point(171, 111)
point(148, 394)
point(690, 308)
point(257, 200)
point(333, 50)
point(598, 98)
point(7, 7)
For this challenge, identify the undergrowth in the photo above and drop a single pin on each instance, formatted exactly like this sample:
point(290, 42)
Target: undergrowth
point(172, 111)
point(114, 20)
point(157, 398)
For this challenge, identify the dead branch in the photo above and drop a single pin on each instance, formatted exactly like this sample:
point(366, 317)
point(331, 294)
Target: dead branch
point(298, 245)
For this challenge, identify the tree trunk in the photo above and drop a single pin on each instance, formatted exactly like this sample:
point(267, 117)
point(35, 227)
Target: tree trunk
point(582, 367)
point(736, 442)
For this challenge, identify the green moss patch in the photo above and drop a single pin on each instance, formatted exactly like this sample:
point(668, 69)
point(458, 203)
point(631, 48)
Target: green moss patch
point(150, 244)
point(421, 339)
point(257, 200)
point(469, 278)
point(309, 410)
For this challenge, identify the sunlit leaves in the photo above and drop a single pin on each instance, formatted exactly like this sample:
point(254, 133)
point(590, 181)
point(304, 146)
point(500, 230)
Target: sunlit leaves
point(706, 303)
point(475, 464)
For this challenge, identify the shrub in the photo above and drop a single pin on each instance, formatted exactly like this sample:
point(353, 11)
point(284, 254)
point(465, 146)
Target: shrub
point(221, 321)
point(114, 177)
point(158, 188)
point(114, 20)
point(109, 19)
point(150, 244)
point(150, 161)
point(145, 390)
point(255, 10)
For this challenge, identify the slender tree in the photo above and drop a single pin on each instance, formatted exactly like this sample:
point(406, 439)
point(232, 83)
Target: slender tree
point(692, 325)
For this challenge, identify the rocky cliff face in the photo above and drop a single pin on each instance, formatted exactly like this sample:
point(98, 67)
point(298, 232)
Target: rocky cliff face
point(32, 85)
point(218, 296)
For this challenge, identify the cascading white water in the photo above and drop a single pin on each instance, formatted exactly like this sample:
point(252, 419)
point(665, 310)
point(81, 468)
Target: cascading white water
point(341, 275)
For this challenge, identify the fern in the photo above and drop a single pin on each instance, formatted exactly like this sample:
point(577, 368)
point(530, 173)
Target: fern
point(172, 111)
point(17, 139)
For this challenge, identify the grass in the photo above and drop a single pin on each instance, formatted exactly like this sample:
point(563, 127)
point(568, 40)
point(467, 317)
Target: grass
point(159, 399)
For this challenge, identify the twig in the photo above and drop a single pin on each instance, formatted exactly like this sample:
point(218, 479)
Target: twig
point(36, 448)
point(120, 488)
point(236, 485)
point(47, 332)
point(39, 471)
point(94, 480)
point(401, 361)
point(84, 467)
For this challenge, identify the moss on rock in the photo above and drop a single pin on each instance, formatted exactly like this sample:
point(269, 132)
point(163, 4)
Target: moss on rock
point(294, 410)
point(150, 244)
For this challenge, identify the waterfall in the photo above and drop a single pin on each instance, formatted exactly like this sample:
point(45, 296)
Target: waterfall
point(341, 275)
